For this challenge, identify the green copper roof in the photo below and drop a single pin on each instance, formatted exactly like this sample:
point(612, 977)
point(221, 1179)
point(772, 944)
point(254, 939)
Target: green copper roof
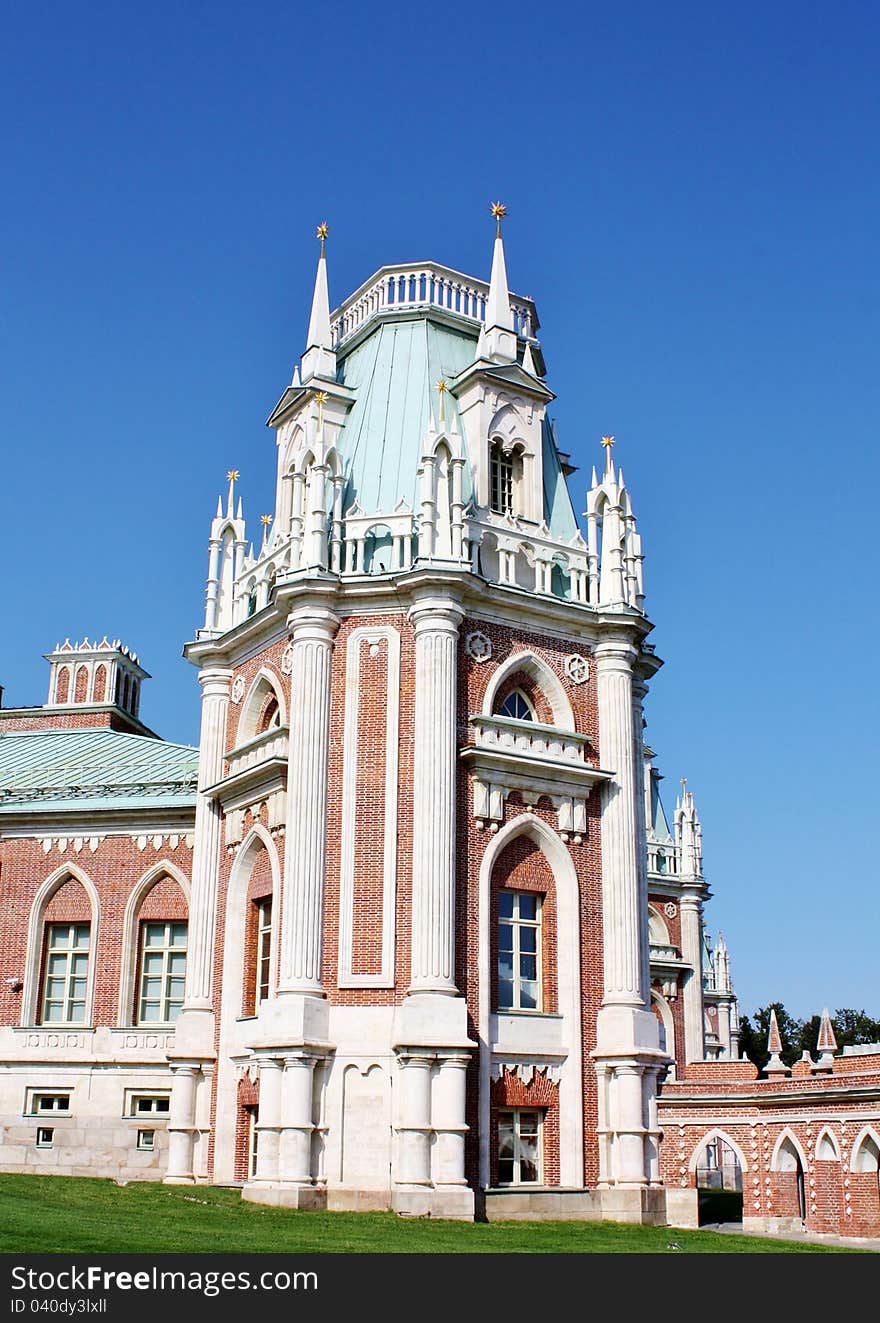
point(658, 823)
point(93, 768)
point(558, 509)
point(394, 375)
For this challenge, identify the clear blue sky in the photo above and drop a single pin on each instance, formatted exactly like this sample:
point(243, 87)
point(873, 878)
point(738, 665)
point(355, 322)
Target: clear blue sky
point(693, 197)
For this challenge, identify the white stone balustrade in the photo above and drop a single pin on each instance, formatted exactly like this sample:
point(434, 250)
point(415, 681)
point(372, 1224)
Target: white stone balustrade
point(273, 743)
point(402, 288)
point(530, 739)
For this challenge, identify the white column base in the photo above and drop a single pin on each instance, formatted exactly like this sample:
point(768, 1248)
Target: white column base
point(281, 1194)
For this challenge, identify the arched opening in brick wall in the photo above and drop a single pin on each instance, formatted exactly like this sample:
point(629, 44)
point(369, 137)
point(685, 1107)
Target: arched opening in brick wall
point(788, 1163)
point(155, 940)
point(63, 929)
point(264, 706)
point(81, 687)
point(524, 1121)
point(864, 1182)
point(527, 857)
point(62, 685)
point(718, 1164)
point(255, 877)
point(540, 685)
point(100, 688)
point(258, 963)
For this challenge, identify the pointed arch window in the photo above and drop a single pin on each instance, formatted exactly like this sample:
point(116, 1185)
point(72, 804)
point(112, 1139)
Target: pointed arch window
point(66, 973)
point(501, 479)
point(516, 706)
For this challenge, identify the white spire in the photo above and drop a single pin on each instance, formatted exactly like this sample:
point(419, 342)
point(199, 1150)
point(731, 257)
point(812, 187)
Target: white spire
point(498, 337)
point(319, 360)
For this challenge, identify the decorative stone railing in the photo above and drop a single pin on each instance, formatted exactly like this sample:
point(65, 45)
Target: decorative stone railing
point(529, 738)
point(664, 954)
point(423, 284)
point(261, 749)
point(663, 860)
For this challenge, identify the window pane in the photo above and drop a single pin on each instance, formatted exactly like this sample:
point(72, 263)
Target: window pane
point(528, 996)
point(528, 906)
point(81, 935)
point(52, 1013)
point(505, 965)
point(59, 937)
point(505, 994)
point(528, 939)
point(79, 965)
point(150, 1010)
point(154, 934)
point(162, 1104)
point(178, 934)
point(528, 1170)
point(78, 1012)
point(528, 967)
point(505, 1171)
point(505, 904)
point(57, 964)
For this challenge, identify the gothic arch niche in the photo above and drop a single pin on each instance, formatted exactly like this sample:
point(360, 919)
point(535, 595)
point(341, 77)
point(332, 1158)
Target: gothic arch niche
point(234, 1030)
point(163, 891)
point(62, 687)
point(67, 894)
point(790, 1163)
point(718, 1165)
point(81, 686)
point(568, 958)
point(487, 557)
point(257, 711)
point(866, 1152)
point(443, 500)
point(663, 1012)
point(100, 689)
point(827, 1148)
point(658, 933)
point(365, 1133)
point(536, 671)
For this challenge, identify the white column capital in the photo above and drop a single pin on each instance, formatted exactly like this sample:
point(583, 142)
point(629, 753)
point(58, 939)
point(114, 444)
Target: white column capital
point(313, 621)
point(215, 681)
point(615, 654)
point(435, 614)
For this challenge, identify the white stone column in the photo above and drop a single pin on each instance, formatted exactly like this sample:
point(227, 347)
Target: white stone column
point(181, 1123)
point(313, 628)
point(639, 690)
point(627, 1049)
point(206, 844)
point(621, 840)
point(414, 1129)
point(436, 622)
point(692, 954)
point(295, 1151)
point(447, 1119)
point(268, 1120)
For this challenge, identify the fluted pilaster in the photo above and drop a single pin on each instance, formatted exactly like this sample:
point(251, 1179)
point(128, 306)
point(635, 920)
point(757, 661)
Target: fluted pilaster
point(436, 624)
point(206, 845)
point(622, 838)
point(312, 633)
point(692, 954)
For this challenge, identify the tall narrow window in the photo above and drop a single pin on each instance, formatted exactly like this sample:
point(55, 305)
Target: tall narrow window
point(264, 947)
point(519, 1148)
point(67, 971)
point(501, 475)
point(163, 970)
point(519, 951)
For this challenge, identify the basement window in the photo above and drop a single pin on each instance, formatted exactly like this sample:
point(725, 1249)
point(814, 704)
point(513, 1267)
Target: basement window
point(146, 1140)
point(45, 1136)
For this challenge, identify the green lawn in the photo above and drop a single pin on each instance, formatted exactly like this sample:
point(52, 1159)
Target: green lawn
point(40, 1214)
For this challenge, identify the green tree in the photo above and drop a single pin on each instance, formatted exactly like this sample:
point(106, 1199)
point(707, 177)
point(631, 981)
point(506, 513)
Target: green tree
point(854, 1027)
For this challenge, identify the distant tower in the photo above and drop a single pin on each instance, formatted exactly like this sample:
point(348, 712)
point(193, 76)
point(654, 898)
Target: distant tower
point(95, 676)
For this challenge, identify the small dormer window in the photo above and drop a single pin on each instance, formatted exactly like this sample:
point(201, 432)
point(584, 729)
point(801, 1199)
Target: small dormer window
point(501, 466)
point(516, 706)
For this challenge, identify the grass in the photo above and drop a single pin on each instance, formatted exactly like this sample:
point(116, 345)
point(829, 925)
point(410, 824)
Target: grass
point(67, 1214)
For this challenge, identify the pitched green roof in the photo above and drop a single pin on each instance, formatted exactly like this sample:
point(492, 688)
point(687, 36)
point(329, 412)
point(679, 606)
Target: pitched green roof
point(394, 373)
point(94, 768)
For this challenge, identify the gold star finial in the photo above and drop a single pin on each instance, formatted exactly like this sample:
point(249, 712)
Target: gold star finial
point(321, 233)
point(321, 397)
point(499, 211)
point(232, 477)
point(442, 388)
point(265, 520)
point(607, 442)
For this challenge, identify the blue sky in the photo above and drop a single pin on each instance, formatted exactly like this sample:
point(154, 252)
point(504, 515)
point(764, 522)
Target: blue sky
point(693, 195)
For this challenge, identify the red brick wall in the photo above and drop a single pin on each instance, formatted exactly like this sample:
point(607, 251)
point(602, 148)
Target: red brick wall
point(114, 867)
